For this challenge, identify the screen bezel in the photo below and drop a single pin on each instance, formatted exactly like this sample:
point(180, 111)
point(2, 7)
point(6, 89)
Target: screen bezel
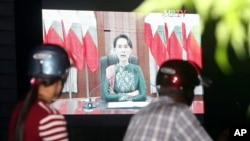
point(29, 21)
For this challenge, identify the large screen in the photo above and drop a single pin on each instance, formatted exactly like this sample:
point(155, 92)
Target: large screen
point(89, 37)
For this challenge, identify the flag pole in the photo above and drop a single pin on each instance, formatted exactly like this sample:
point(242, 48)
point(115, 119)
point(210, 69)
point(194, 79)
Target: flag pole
point(87, 81)
point(88, 104)
point(70, 81)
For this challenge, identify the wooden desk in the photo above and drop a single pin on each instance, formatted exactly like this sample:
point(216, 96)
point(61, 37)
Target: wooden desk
point(75, 106)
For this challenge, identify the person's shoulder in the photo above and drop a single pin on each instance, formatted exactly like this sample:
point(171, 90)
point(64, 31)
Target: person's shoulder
point(134, 66)
point(43, 108)
point(111, 67)
point(168, 102)
point(52, 118)
point(184, 110)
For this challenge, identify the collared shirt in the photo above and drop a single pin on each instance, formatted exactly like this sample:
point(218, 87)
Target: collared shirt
point(165, 120)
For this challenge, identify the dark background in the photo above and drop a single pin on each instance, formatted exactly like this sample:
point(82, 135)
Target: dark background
point(20, 30)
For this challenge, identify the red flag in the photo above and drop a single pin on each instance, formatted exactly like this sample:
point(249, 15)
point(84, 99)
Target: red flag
point(167, 39)
point(190, 44)
point(74, 45)
point(184, 37)
point(54, 35)
point(198, 107)
point(155, 44)
point(91, 52)
point(194, 50)
point(158, 49)
point(87, 19)
point(67, 44)
point(148, 34)
point(174, 47)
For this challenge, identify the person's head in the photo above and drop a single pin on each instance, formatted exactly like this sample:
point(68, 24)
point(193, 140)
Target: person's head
point(48, 68)
point(122, 47)
point(178, 79)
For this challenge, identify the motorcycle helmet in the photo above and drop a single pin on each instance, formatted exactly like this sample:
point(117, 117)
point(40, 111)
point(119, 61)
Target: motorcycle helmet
point(48, 62)
point(178, 75)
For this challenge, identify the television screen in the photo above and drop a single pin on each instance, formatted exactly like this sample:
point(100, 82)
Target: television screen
point(90, 38)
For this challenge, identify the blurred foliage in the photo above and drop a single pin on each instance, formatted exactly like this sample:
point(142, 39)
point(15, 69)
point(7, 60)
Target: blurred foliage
point(232, 24)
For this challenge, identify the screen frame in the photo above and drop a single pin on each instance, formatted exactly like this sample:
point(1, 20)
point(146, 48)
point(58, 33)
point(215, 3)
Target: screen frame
point(29, 21)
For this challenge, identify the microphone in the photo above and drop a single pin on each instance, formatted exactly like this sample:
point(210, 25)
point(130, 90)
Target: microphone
point(90, 104)
point(157, 94)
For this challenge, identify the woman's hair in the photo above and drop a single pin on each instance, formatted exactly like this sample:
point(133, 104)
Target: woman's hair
point(27, 104)
point(25, 107)
point(125, 37)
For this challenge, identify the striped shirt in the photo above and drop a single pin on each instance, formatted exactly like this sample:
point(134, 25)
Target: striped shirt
point(165, 120)
point(44, 123)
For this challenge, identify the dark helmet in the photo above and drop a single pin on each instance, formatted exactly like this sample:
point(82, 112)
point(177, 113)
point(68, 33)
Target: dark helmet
point(178, 75)
point(49, 61)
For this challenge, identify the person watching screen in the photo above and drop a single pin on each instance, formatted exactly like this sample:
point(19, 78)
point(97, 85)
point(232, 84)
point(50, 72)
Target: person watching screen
point(169, 118)
point(124, 81)
point(34, 119)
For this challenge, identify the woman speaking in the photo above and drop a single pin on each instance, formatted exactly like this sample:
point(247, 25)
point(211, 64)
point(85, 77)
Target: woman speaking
point(124, 81)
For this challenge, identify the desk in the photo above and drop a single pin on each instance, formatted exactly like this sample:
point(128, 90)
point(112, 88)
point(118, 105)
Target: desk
point(75, 106)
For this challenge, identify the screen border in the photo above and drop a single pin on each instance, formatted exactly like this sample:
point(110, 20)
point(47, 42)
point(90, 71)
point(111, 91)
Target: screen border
point(29, 21)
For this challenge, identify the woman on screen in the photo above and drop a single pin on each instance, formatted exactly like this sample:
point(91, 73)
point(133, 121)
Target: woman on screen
point(124, 81)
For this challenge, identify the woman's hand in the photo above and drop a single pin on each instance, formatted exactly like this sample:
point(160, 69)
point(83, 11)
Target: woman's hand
point(111, 91)
point(134, 93)
point(128, 96)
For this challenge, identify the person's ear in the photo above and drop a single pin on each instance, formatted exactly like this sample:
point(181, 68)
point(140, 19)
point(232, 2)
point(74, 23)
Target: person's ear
point(190, 97)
